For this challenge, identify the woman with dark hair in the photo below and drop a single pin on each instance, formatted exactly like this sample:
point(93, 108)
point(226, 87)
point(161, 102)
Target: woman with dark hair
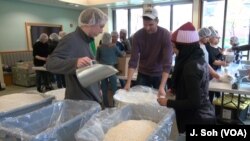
point(190, 81)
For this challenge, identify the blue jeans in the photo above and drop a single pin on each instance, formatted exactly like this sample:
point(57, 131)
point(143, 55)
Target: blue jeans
point(150, 81)
point(104, 85)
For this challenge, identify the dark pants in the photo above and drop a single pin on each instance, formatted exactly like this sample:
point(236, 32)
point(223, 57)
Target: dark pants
point(150, 81)
point(104, 85)
point(43, 81)
point(212, 94)
point(60, 80)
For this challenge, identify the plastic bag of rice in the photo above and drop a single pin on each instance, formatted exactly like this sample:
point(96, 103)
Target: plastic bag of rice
point(114, 124)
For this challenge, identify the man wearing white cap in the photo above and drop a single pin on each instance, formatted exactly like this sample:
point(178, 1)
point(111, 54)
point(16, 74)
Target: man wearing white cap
point(151, 46)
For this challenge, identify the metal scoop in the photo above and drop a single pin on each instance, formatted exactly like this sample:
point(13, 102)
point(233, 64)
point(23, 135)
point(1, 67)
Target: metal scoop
point(94, 73)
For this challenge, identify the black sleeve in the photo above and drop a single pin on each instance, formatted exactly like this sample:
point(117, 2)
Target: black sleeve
point(194, 75)
point(241, 48)
point(211, 55)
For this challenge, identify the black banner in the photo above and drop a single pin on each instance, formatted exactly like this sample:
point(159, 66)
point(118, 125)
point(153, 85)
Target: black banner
point(218, 132)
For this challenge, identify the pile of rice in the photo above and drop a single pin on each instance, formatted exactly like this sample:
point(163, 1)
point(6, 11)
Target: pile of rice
point(131, 130)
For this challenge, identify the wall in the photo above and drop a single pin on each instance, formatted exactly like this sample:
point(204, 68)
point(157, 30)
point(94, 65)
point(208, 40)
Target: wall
point(196, 13)
point(13, 16)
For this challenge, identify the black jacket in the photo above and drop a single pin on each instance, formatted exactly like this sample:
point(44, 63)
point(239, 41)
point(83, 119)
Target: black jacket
point(40, 49)
point(192, 105)
point(63, 60)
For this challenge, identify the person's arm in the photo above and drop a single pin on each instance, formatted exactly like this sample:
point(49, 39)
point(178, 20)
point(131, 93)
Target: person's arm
point(132, 65)
point(192, 85)
point(61, 62)
point(213, 72)
point(167, 63)
point(40, 58)
point(241, 48)
point(164, 79)
point(131, 72)
point(219, 63)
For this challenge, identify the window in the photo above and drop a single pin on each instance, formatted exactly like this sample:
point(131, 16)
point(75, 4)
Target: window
point(212, 16)
point(181, 16)
point(136, 20)
point(237, 22)
point(121, 19)
point(164, 16)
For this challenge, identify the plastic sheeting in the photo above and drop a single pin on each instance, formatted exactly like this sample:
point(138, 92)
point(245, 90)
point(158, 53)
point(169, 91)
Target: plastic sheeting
point(98, 125)
point(136, 95)
point(56, 122)
point(26, 108)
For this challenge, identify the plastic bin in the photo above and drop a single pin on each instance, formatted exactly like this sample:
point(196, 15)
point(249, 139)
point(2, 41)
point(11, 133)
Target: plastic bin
point(56, 122)
point(136, 95)
point(96, 128)
point(27, 108)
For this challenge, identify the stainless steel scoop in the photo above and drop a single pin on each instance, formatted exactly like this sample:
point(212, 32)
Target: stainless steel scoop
point(94, 73)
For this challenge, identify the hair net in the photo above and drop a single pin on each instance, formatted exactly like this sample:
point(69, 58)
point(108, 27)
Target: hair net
point(214, 33)
point(114, 33)
point(92, 16)
point(42, 37)
point(62, 34)
point(106, 38)
point(204, 32)
point(54, 37)
point(234, 40)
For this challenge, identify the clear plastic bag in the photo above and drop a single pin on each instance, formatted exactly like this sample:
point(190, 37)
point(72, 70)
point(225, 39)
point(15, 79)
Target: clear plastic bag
point(56, 122)
point(96, 128)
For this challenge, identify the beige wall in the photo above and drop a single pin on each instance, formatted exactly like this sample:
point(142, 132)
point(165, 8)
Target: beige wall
point(196, 13)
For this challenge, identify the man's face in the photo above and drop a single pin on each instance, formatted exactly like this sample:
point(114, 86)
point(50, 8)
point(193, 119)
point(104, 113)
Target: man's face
point(114, 39)
point(95, 30)
point(204, 40)
point(150, 26)
point(122, 35)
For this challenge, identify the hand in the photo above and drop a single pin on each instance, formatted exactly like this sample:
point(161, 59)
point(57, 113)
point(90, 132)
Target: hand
point(215, 75)
point(224, 63)
point(162, 101)
point(84, 61)
point(127, 86)
point(161, 93)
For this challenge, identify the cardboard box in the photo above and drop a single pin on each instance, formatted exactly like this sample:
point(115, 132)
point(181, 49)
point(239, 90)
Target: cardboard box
point(123, 65)
point(230, 110)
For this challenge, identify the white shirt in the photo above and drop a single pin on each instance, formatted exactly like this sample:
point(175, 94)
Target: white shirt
point(203, 47)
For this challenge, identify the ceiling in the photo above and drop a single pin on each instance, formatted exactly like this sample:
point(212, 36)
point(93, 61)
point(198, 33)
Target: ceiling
point(81, 4)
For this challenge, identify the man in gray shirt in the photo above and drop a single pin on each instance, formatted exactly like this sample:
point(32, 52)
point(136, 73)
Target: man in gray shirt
point(151, 46)
point(73, 51)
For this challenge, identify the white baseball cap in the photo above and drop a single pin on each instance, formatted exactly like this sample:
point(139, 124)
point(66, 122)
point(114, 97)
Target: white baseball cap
point(150, 12)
